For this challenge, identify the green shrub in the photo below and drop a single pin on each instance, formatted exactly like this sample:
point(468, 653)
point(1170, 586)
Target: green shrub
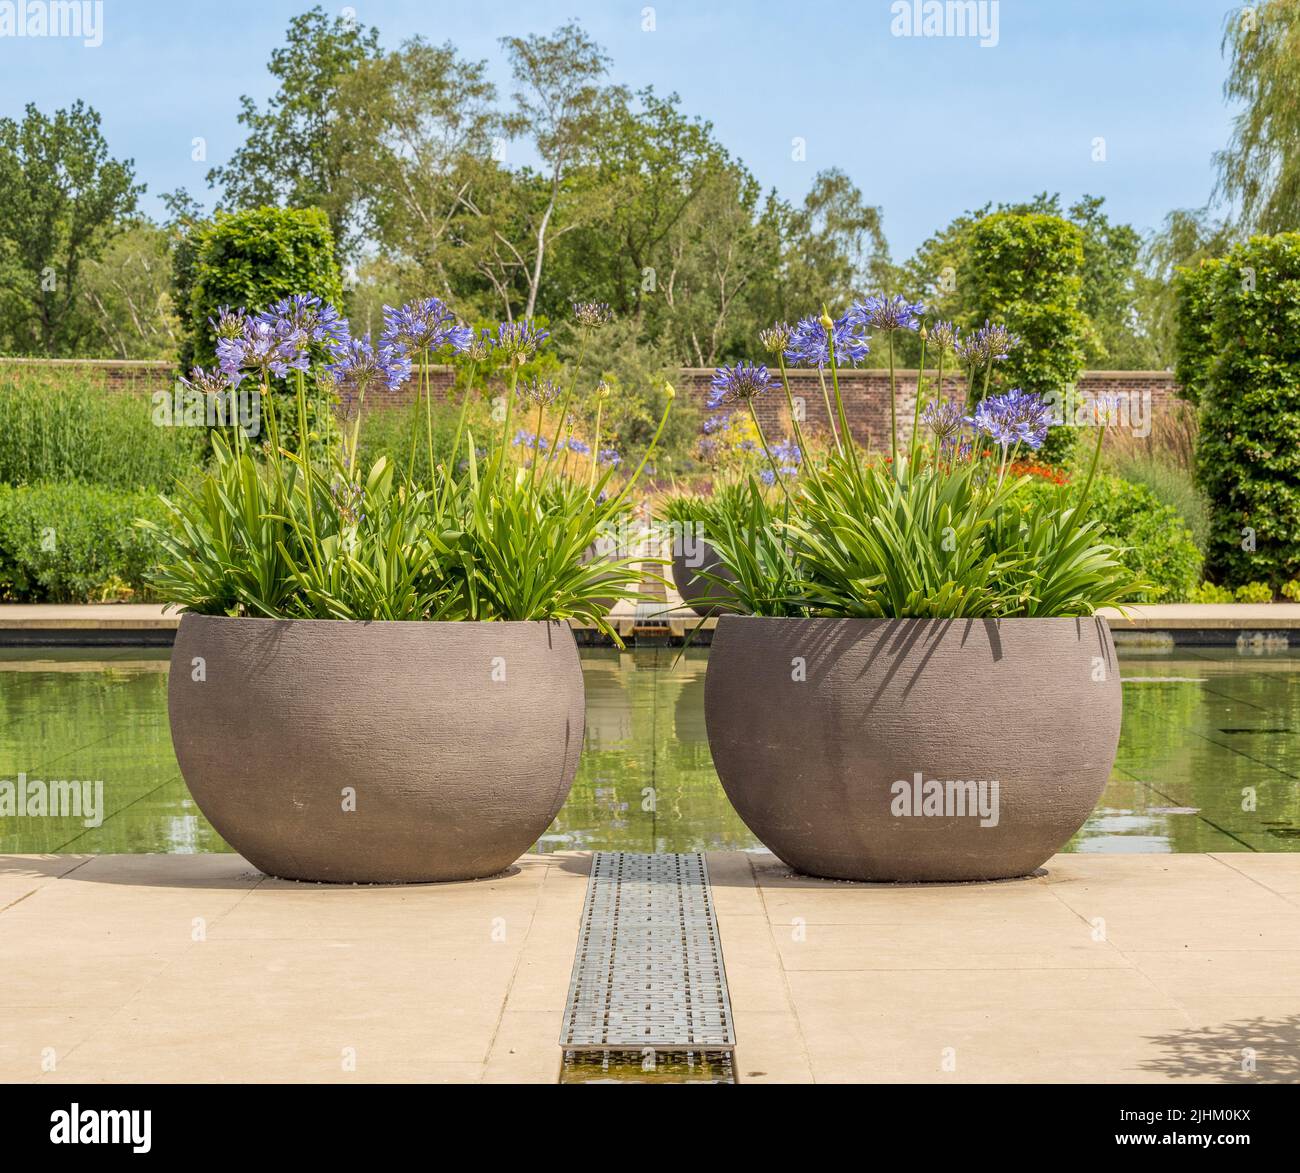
point(1239, 357)
point(68, 429)
point(1207, 592)
point(250, 260)
point(1291, 590)
point(73, 543)
point(1159, 546)
point(1254, 592)
point(1025, 270)
point(1172, 486)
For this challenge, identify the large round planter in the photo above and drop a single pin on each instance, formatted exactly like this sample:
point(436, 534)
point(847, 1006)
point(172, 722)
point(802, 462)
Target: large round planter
point(376, 752)
point(913, 749)
point(689, 567)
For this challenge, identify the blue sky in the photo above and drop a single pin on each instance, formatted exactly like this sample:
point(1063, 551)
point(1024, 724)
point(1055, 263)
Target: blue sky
point(926, 126)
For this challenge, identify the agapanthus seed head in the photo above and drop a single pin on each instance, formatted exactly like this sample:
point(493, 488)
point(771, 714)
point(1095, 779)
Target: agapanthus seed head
point(542, 392)
point(479, 346)
point(519, 341)
point(213, 382)
point(945, 420)
point(592, 314)
point(944, 337)
point(776, 337)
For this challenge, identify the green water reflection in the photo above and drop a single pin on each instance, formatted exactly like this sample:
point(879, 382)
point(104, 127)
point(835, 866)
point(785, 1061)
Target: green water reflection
point(1209, 757)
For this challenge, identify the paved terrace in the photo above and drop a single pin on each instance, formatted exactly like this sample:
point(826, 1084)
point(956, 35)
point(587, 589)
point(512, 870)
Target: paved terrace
point(1155, 968)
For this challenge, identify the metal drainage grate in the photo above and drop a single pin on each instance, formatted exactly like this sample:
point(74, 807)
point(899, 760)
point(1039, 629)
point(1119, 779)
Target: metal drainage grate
point(648, 975)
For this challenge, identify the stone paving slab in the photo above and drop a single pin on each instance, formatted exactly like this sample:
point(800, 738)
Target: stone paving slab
point(188, 968)
point(1106, 968)
point(162, 968)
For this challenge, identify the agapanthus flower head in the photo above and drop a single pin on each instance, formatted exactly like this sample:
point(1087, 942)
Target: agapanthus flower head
point(715, 423)
point(787, 458)
point(887, 313)
point(990, 343)
point(526, 439)
point(306, 315)
point(213, 382)
point(425, 324)
point(603, 390)
point(609, 456)
point(740, 383)
point(261, 348)
point(479, 346)
point(519, 341)
point(591, 314)
point(776, 337)
point(945, 420)
point(542, 392)
point(809, 343)
point(228, 323)
point(581, 447)
point(1018, 417)
point(361, 366)
point(945, 337)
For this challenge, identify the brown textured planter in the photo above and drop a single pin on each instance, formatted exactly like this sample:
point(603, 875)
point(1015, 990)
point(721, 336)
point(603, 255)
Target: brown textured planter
point(693, 588)
point(459, 742)
point(824, 770)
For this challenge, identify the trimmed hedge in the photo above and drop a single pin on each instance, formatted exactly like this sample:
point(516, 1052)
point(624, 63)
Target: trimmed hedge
point(1025, 270)
point(73, 543)
point(1238, 355)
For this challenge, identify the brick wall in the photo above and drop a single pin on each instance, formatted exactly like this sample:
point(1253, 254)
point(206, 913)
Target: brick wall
point(866, 398)
point(866, 392)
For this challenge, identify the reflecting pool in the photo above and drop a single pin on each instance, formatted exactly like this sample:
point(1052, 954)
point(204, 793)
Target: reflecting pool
point(1209, 756)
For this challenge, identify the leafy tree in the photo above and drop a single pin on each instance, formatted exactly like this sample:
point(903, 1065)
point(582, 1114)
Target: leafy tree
point(64, 199)
point(1260, 168)
point(126, 295)
point(426, 122)
point(560, 104)
point(302, 149)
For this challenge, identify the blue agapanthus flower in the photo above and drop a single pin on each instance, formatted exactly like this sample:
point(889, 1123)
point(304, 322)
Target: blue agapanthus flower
point(809, 346)
point(361, 366)
point(581, 447)
point(715, 423)
point(424, 324)
point(887, 313)
point(526, 439)
point(307, 315)
point(261, 348)
point(609, 456)
point(739, 384)
point(1018, 417)
point(787, 459)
